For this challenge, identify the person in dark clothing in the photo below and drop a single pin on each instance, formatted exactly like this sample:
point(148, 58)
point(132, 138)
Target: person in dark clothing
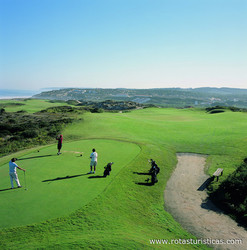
point(59, 144)
point(154, 166)
point(154, 170)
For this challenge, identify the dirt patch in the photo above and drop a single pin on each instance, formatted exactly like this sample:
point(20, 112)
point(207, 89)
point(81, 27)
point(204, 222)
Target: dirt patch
point(186, 200)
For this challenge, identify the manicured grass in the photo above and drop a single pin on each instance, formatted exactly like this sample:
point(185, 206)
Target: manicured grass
point(126, 214)
point(58, 185)
point(184, 130)
point(30, 105)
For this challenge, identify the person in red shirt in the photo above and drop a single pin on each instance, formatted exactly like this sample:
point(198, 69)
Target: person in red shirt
point(59, 144)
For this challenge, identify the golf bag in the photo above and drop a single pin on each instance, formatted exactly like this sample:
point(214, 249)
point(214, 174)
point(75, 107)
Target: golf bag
point(107, 169)
point(154, 177)
point(154, 170)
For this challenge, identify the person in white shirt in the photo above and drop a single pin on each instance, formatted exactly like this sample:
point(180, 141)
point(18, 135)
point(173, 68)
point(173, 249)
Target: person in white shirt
point(12, 173)
point(93, 162)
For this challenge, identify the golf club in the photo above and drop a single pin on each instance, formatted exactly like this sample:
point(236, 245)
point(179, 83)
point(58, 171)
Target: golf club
point(25, 180)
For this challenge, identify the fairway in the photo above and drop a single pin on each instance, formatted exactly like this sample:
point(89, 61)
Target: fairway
point(29, 105)
point(58, 185)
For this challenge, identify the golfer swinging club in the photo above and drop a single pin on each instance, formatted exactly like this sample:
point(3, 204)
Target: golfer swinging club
point(93, 162)
point(59, 144)
point(12, 173)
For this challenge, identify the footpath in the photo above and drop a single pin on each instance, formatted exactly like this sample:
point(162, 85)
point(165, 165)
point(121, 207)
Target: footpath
point(186, 199)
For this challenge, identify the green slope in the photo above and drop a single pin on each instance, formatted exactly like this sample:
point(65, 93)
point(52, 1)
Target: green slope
point(58, 185)
point(126, 214)
point(29, 105)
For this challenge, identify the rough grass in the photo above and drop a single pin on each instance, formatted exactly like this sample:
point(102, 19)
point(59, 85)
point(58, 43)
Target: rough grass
point(126, 215)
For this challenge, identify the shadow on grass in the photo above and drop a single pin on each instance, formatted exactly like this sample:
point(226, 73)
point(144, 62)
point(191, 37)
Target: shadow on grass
point(141, 173)
point(6, 189)
point(64, 178)
point(205, 184)
point(144, 183)
point(33, 157)
point(96, 176)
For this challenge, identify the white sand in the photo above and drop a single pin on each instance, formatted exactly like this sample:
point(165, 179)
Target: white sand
point(190, 208)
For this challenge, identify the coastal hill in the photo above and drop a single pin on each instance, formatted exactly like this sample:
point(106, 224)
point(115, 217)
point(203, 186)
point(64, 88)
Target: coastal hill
point(164, 97)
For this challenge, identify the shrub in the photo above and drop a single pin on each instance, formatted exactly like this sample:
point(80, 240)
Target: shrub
point(2, 110)
point(97, 110)
point(57, 101)
point(234, 109)
point(29, 134)
point(72, 102)
point(231, 195)
point(21, 111)
point(19, 130)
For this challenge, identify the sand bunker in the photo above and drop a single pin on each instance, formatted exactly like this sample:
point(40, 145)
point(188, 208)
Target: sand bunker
point(186, 200)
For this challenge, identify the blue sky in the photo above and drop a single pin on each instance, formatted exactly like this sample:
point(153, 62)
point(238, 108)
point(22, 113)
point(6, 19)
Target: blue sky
point(123, 43)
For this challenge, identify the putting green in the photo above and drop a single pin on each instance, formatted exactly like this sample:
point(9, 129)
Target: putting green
point(58, 185)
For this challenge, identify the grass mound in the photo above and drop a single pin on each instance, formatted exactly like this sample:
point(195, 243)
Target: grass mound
point(58, 185)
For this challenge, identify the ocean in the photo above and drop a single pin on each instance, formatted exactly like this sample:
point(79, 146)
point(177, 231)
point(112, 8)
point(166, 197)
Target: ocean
point(11, 94)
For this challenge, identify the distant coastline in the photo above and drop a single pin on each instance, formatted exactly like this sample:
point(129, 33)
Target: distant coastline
point(14, 94)
point(13, 97)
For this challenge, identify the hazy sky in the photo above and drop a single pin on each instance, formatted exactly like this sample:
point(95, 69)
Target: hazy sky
point(123, 43)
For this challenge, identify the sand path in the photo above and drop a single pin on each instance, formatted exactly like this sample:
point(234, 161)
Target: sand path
point(189, 206)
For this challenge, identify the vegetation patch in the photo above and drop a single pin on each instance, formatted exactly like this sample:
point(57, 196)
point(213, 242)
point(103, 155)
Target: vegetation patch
point(112, 105)
point(57, 101)
point(231, 194)
point(62, 109)
point(221, 109)
point(19, 130)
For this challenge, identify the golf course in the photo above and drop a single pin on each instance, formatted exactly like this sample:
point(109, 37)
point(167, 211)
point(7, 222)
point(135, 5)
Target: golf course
point(61, 206)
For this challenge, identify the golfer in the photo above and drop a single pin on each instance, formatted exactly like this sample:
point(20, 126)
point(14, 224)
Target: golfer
point(12, 173)
point(93, 163)
point(59, 144)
